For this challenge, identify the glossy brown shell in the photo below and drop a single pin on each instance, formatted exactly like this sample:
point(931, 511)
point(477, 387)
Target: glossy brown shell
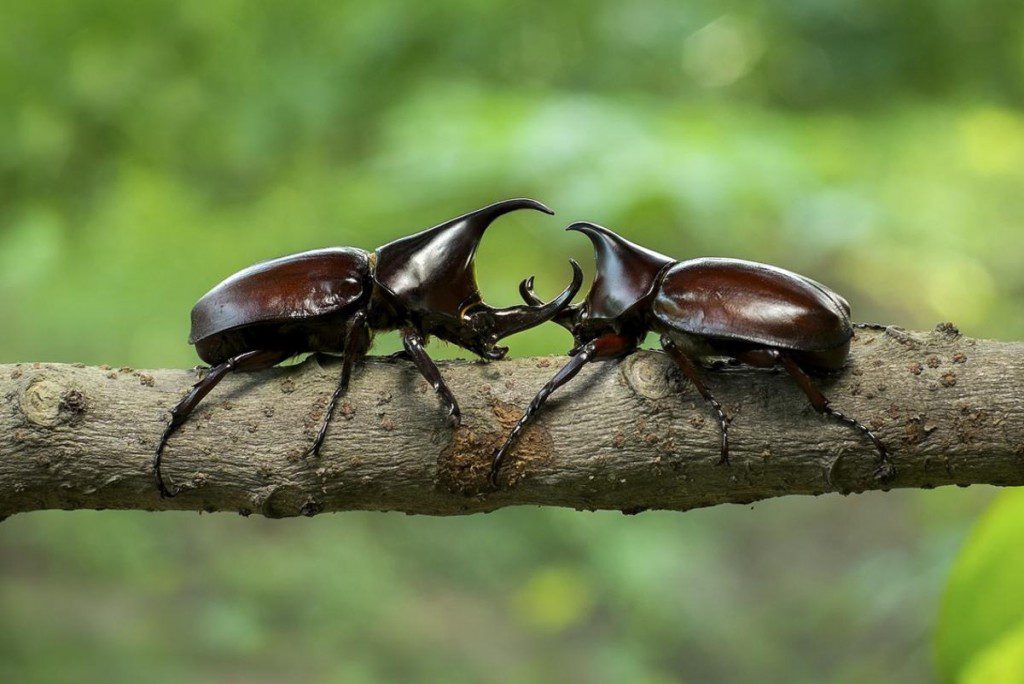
point(750, 302)
point(292, 288)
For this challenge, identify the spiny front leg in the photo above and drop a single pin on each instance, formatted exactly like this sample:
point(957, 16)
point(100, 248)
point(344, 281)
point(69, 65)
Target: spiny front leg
point(607, 346)
point(692, 373)
point(413, 342)
point(567, 373)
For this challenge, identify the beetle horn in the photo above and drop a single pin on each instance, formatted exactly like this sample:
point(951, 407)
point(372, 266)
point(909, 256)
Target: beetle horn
point(626, 272)
point(513, 319)
point(565, 318)
point(614, 251)
point(484, 217)
point(432, 271)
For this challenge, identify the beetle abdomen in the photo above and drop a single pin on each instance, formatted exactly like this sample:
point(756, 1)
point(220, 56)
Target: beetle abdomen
point(292, 288)
point(750, 302)
point(324, 333)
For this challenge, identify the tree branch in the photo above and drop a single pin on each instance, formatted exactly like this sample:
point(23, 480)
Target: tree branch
point(626, 435)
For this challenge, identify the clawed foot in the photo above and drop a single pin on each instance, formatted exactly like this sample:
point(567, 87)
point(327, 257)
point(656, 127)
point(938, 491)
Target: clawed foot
point(318, 443)
point(495, 471)
point(724, 460)
point(165, 493)
point(885, 472)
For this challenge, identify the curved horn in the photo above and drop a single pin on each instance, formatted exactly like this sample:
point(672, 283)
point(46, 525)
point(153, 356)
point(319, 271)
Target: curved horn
point(513, 319)
point(565, 318)
point(486, 215)
point(626, 272)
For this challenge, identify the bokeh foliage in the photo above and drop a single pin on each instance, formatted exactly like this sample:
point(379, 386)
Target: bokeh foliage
point(151, 148)
point(981, 634)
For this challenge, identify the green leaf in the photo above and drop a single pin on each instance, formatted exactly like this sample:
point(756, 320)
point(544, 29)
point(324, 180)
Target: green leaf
point(981, 623)
point(1003, 661)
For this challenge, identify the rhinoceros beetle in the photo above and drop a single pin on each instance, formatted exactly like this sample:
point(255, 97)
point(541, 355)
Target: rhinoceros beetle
point(333, 300)
point(746, 312)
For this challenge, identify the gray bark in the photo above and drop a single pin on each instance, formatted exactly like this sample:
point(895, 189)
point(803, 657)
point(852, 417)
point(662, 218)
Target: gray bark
point(627, 435)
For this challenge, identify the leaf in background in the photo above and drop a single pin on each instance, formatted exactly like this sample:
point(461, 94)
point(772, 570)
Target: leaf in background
point(981, 625)
point(1003, 661)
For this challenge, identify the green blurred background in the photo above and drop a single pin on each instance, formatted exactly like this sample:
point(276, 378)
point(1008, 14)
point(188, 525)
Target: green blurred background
point(148, 149)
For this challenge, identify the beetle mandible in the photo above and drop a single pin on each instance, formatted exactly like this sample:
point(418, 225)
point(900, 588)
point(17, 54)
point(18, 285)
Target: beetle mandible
point(750, 313)
point(333, 300)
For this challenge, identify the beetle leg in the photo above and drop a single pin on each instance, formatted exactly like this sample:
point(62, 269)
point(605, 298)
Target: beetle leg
point(249, 361)
point(356, 343)
point(413, 342)
point(608, 346)
point(820, 403)
point(692, 373)
point(568, 372)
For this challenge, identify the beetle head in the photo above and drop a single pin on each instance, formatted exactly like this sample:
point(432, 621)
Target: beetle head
point(431, 276)
point(626, 276)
